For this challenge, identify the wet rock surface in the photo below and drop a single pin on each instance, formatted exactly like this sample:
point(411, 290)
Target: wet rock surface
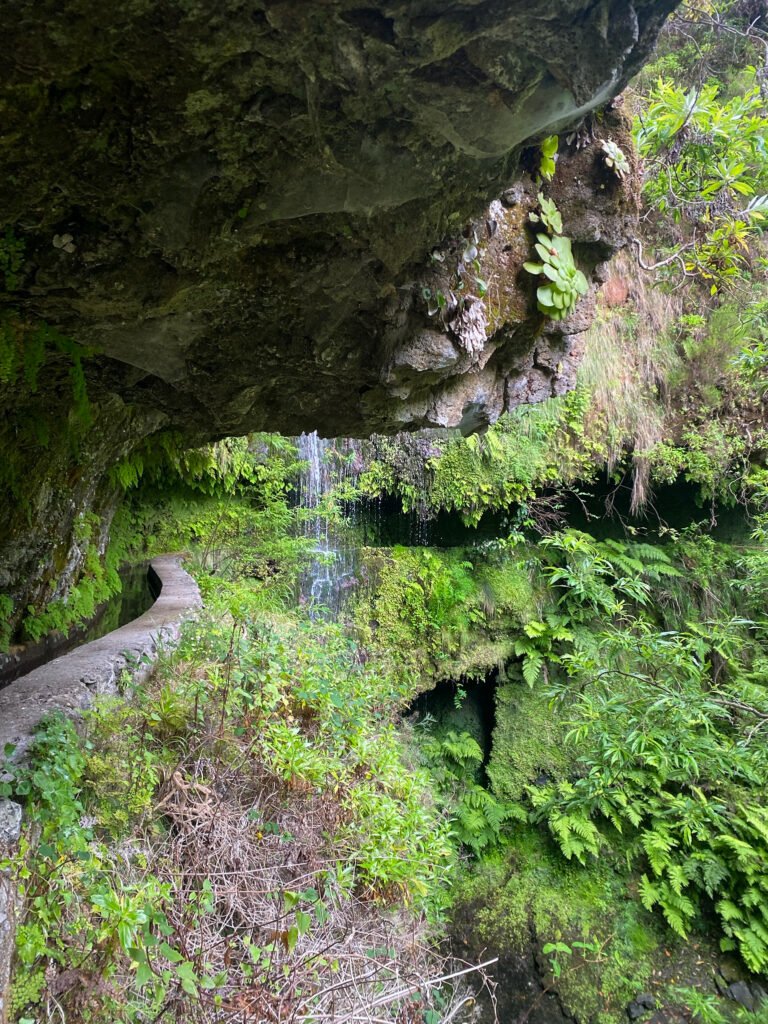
point(749, 995)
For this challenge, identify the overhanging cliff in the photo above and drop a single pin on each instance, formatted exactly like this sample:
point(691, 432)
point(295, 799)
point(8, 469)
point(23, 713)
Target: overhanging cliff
point(235, 212)
point(234, 203)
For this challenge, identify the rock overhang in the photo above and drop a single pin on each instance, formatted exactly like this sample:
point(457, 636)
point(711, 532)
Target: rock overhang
point(252, 190)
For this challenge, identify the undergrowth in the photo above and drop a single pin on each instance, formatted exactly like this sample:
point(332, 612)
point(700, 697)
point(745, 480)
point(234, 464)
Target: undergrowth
point(645, 666)
point(239, 837)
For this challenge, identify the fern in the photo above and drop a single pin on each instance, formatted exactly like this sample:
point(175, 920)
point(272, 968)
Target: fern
point(657, 846)
point(752, 948)
point(576, 835)
point(728, 911)
point(533, 664)
point(462, 748)
point(480, 817)
point(649, 893)
point(677, 878)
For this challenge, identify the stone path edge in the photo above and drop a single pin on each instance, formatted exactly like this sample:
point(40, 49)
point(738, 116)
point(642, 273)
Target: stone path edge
point(70, 682)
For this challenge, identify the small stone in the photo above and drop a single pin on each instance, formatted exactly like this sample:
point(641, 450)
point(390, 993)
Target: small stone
point(10, 822)
point(741, 993)
point(646, 999)
point(635, 1010)
point(512, 196)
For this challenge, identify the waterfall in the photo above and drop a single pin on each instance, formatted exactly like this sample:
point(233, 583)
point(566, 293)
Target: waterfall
point(327, 465)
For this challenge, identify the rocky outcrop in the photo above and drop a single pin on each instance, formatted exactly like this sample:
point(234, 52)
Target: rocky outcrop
point(234, 204)
point(468, 344)
point(225, 217)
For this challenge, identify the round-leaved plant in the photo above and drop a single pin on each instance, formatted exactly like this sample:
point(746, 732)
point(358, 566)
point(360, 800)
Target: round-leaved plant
point(565, 282)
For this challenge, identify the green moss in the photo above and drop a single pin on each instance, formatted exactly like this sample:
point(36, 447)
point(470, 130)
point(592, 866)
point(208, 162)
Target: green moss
point(6, 613)
point(507, 588)
point(99, 580)
point(528, 741)
point(444, 613)
point(528, 449)
point(534, 893)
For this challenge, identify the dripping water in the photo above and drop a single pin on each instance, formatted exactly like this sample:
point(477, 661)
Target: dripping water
point(328, 465)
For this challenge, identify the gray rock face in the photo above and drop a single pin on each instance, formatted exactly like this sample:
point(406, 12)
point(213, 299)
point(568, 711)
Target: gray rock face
point(257, 215)
point(10, 823)
point(743, 994)
point(235, 203)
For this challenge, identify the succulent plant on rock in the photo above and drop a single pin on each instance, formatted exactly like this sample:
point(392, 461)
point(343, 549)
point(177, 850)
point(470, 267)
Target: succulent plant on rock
point(615, 158)
point(565, 282)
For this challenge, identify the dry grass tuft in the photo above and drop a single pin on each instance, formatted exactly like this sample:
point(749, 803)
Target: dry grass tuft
point(262, 852)
point(630, 356)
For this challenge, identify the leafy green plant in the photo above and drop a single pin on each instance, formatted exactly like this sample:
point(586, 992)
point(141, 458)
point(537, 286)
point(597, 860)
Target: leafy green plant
point(566, 284)
point(548, 158)
point(6, 610)
point(560, 954)
point(538, 643)
point(478, 818)
point(672, 774)
point(81, 915)
point(548, 215)
point(705, 166)
point(283, 708)
point(615, 158)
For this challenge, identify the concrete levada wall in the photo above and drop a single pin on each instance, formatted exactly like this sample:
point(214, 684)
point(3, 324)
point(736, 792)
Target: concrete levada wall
point(69, 684)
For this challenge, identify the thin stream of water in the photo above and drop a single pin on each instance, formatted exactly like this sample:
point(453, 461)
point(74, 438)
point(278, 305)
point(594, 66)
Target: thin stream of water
point(331, 572)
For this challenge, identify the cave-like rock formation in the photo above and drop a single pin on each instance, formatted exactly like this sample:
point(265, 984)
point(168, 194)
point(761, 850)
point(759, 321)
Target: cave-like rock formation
point(238, 208)
point(251, 190)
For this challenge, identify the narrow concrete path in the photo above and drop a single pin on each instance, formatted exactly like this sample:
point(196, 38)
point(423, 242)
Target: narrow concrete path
point(70, 682)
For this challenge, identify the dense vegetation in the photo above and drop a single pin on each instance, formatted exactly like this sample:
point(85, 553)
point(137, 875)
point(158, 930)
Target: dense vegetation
point(262, 832)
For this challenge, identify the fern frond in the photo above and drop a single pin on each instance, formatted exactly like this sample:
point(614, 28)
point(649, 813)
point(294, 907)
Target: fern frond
point(649, 893)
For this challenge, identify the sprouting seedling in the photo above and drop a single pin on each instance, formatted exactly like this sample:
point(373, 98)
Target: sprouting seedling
point(548, 157)
point(549, 215)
